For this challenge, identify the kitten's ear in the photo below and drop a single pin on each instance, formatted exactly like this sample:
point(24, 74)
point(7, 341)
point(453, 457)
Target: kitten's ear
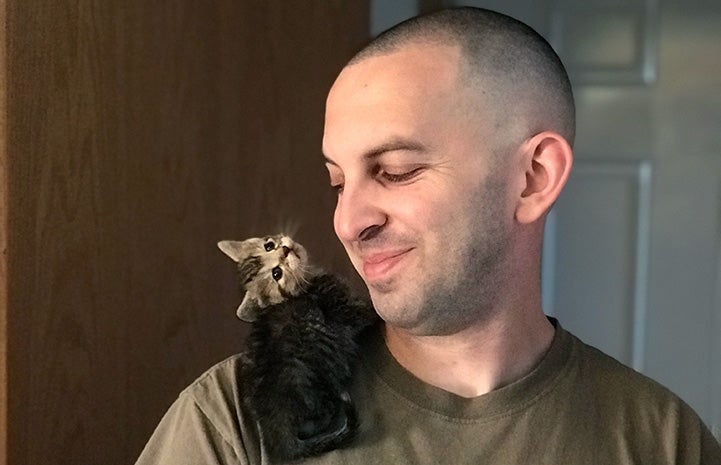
point(236, 250)
point(248, 309)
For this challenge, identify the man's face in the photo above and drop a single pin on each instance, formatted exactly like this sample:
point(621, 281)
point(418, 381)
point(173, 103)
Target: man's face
point(421, 212)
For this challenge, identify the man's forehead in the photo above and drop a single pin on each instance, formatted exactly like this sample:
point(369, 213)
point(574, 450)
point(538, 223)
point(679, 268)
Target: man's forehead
point(409, 64)
point(407, 93)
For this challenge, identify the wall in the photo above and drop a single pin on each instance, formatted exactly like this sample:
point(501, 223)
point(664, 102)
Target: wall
point(137, 134)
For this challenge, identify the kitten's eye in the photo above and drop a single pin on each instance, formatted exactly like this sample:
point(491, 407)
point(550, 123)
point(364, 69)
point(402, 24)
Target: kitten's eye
point(277, 273)
point(270, 245)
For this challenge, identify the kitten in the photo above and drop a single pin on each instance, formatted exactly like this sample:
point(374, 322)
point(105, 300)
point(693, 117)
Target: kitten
point(301, 348)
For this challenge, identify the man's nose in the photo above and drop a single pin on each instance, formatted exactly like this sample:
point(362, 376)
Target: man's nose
point(358, 213)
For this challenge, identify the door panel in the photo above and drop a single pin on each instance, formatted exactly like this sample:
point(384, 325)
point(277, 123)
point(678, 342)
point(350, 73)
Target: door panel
point(596, 249)
point(667, 124)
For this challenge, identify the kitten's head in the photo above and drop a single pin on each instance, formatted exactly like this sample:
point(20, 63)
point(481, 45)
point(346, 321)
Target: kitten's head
point(271, 269)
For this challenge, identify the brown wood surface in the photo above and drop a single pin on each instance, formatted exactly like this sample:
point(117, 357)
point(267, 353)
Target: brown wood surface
point(3, 240)
point(138, 134)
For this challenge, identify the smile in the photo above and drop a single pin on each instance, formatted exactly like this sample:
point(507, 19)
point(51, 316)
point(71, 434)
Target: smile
point(380, 265)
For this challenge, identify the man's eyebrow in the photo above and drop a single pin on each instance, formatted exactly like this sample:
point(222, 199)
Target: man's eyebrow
point(392, 145)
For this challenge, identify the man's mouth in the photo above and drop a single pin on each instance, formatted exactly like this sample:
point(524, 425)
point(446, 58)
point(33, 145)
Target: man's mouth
point(377, 266)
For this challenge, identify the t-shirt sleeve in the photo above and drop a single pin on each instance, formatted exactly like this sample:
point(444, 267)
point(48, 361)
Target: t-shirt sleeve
point(697, 445)
point(207, 424)
point(186, 436)
point(710, 448)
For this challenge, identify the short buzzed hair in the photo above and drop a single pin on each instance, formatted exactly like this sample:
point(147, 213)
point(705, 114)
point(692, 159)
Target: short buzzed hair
point(513, 64)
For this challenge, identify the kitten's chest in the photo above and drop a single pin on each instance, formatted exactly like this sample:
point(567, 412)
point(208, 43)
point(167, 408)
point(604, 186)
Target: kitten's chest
point(298, 320)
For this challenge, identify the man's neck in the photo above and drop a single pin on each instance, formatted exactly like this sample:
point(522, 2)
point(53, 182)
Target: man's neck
point(478, 359)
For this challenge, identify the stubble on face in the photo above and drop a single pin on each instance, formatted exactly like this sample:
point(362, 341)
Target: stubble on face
point(457, 233)
point(459, 284)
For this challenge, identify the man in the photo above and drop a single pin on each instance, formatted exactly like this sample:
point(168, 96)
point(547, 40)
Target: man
point(448, 139)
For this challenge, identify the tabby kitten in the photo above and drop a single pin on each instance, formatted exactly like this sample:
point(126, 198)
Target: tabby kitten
point(301, 348)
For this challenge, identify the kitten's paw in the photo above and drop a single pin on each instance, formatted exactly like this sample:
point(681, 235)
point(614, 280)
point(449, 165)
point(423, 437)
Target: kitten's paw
point(330, 426)
point(334, 430)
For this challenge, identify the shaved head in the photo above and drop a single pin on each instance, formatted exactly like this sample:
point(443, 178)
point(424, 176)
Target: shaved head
point(521, 83)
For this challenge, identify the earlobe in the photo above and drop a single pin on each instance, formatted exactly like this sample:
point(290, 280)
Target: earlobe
point(547, 163)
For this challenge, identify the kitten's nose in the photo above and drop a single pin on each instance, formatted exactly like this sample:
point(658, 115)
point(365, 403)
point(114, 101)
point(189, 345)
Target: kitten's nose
point(286, 251)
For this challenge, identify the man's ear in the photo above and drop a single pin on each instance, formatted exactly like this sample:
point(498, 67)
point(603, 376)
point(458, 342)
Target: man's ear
point(547, 161)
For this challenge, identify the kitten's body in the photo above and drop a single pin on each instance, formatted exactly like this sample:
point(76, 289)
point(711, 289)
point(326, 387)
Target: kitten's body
point(301, 348)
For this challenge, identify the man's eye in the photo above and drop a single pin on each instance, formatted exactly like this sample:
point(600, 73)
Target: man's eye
point(337, 188)
point(400, 177)
point(277, 273)
point(270, 245)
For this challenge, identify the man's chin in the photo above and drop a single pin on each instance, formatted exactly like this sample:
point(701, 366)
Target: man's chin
point(394, 308)
point(382, 287)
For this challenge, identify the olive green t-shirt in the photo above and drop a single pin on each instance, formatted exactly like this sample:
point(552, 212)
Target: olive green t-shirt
point(578, 406)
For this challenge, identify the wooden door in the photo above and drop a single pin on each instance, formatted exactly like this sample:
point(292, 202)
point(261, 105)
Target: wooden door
point(135, 135)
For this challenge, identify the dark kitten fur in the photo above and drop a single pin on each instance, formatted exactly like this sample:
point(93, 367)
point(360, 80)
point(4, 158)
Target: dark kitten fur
point(301, 348)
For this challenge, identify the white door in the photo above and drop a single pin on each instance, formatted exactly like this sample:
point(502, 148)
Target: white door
point(634, 251)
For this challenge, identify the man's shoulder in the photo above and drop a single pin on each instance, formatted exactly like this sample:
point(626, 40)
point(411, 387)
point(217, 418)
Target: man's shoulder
point(217, 395)
point(625, 392)
point(597, 366)
point(631, 410)
point(222, 379)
